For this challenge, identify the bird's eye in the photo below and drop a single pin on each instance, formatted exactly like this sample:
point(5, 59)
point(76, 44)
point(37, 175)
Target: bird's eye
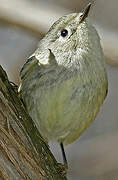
point(64, 32)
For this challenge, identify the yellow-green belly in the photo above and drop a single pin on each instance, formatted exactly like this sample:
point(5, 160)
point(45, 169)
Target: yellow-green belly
point(64, 111)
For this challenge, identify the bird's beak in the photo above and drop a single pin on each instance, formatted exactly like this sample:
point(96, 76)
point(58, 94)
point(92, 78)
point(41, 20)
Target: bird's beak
point(85, 13)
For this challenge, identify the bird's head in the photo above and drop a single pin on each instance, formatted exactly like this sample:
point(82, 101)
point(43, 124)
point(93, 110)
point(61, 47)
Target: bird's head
point(70, 36)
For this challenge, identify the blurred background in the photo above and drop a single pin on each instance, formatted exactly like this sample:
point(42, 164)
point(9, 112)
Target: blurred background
point(22, 23)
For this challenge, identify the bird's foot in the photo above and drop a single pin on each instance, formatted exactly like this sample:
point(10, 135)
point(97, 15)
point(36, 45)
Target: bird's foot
point(63, 168)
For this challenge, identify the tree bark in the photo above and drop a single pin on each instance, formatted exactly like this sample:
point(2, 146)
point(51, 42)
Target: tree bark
point(23, 153)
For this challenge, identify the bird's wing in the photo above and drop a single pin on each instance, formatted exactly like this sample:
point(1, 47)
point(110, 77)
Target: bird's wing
point(31, 61)
point(43, 68)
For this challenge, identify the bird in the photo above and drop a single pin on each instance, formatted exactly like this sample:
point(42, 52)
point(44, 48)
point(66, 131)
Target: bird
point(64, 83)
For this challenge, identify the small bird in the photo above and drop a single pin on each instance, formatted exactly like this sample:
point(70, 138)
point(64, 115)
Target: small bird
point(64, 83)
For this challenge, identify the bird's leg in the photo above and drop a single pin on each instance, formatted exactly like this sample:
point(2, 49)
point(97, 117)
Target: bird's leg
point(65, 166)
point(64, 156)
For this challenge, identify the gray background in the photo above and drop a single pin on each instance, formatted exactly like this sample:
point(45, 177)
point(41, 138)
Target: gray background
point(94, 155)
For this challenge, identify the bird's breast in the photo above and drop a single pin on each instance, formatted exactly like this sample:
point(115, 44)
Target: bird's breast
point(63, 102)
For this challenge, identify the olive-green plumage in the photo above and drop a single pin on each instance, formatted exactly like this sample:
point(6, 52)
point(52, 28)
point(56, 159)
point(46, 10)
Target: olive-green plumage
point(64, 83)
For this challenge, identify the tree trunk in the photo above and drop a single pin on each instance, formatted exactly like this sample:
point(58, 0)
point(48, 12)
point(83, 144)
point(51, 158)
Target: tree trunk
point(23, 152)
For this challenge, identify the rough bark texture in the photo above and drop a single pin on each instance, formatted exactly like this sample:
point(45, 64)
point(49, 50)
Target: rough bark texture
point(23, 153)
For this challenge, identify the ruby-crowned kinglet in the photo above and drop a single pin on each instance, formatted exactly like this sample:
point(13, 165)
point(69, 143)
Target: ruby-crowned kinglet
point(64, 83)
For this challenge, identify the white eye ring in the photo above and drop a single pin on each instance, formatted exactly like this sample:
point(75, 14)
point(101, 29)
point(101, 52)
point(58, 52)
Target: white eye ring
point(64, 34)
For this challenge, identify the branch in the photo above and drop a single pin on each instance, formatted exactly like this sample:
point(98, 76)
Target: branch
point(23, 152)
